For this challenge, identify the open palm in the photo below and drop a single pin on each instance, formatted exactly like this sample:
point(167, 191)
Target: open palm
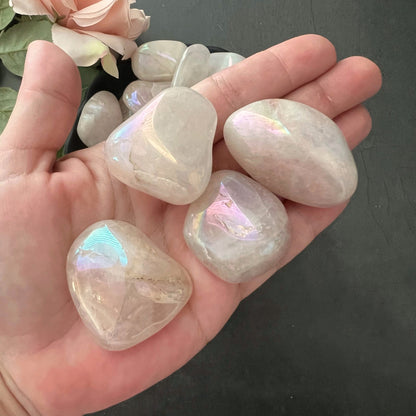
point(47, 356)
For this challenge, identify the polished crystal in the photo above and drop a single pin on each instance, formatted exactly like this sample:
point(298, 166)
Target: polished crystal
point(237, 228)
point(222, 60)
point(165, 149)
point(193, 66)
point(124, 287)
point(157, 60)
point(99, 117)
point(294, 150)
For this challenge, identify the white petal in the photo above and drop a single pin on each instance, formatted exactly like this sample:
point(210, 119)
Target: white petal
point(85, 50)
point(109, 64)
point(123, 46)
point(29, 7)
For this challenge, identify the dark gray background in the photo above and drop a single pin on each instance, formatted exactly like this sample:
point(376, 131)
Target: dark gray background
point(334, 332)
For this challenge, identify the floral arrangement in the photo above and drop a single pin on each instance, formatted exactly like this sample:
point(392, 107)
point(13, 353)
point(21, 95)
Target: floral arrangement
point(90, 31)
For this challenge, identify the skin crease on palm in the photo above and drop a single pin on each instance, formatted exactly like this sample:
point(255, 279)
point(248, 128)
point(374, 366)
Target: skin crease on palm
point(51, 362)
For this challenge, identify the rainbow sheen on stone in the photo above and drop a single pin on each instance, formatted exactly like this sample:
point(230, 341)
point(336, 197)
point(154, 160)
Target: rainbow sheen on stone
point(124, 288)
point(293, 150)
point(138, 93)
point(165, 149)
point(237, 228)
point(193, 67)
point(157, 60)
point(99, 117)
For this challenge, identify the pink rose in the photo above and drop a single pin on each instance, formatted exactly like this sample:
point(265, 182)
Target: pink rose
point(89, 30)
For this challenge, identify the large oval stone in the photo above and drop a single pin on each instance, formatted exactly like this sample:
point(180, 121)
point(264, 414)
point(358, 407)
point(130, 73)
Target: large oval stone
point(294, 150)
point(125, 288)
point(99, 117)
point(193, 66)
point(165, 149)
point(157, 60)
point(237, 228)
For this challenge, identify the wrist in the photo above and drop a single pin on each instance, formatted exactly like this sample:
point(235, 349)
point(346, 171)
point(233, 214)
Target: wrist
point(9, 404)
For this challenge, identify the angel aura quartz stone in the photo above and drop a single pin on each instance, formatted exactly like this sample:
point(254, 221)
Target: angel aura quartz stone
point(124, 287)
point(222, 60)
point(165, 149)
point(99, 117)
point(193, 66)
point(157, 60)
point(293, 150)
point(237, 228)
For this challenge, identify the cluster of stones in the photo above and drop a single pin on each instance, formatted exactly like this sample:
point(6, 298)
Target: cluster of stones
point(125, 288)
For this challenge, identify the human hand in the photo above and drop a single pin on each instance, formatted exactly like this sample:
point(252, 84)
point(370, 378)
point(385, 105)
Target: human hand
point(50, 360)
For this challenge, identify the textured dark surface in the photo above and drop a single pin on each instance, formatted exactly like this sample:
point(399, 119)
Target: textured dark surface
point(334, 332)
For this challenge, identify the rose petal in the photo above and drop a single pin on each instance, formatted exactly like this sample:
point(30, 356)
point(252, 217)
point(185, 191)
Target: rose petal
point(93, 14)
point(139, 23)
point(109, 64)
point(32, 7)
point(70, 4)
point(123, 46)
point(85, 50)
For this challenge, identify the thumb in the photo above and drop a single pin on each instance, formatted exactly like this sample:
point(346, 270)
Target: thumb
point(45, 110)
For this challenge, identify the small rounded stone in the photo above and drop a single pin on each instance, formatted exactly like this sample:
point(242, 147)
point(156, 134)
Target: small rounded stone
point(222, 60)
point(165, 149)
point(99, 117)
point(293, 150)
point(124, 287)
point(237, 228)
point(157, 60)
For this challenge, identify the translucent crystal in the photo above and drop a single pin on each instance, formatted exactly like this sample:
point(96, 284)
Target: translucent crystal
point(294, 150)
point(222, 60)
point(139, 93)
point(124, 287)
point(193, 66)
point(99, 117)
point(157, 60)
point(237, 228)
point(165, 149)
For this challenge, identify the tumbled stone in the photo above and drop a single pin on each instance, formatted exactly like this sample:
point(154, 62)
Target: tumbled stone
point(157, 60)
point(294, 150)
point(139, 93)
point(193, 66)
point(165, 149)
point(237, 228)
point(124, 288)
point(222, 60)
point(99, 117)
point(125, 111)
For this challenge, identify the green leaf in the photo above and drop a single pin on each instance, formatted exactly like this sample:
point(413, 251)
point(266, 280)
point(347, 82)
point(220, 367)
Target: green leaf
point(6, 14)
point(15, 41)
point(7, 102)
point(88, 75)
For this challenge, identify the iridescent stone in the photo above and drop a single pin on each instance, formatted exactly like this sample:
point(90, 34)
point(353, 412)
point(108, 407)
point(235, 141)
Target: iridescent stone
point(125, 288)
point(125, 111)
point(99, 117)
point(165, 149)
point(222, 60)
point(139, 93)
point(294, 150)
point(237, 228)
point(157, 60)
point(193, 66)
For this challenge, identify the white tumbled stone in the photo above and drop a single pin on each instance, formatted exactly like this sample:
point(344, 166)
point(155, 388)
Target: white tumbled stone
point(294, 150)
point(124, 288)
point(139, 93)
point(237, 228)
point(165, 149)
point(193, 66)
point(157, 60)
point(99, 117)
point(222, 60)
